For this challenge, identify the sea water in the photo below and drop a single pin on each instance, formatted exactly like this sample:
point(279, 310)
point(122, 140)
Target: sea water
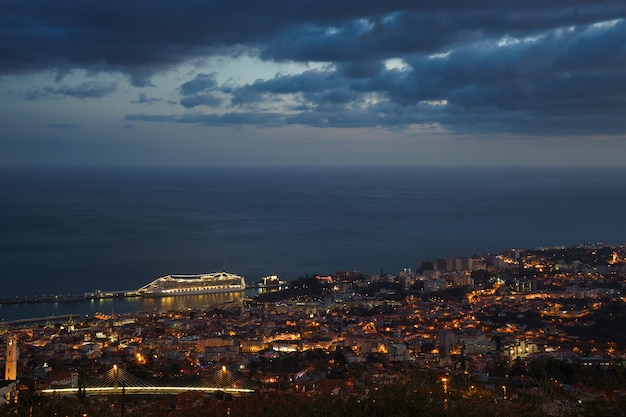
point(74, 230)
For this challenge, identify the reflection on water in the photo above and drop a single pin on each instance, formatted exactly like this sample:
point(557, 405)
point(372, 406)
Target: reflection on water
point(89, 307)
point(186, 301)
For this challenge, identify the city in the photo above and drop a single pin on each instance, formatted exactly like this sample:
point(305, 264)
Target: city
point(538, 329)
point(354, 171)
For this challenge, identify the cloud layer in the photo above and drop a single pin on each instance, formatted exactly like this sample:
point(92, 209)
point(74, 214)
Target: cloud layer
point(528, 67)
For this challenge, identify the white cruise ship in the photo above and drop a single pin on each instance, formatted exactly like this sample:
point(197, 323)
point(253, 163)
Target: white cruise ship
point(169, 285)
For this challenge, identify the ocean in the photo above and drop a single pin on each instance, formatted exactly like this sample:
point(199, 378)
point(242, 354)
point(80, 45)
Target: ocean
point(73, 230)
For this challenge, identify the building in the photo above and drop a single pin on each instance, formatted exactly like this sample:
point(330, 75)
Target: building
point(446, 341)
point(458, 264)
point(524, 286)
point(398, 352)
point(431, 285)
point(520, 349)
point(478, 345)
point(10, 370)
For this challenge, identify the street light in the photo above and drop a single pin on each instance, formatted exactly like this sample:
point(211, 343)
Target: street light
point(115, 377)
point(444, 381)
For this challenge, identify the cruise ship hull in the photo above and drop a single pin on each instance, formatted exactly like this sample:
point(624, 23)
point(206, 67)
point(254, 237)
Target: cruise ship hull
point(171, 293)
point(197, 284)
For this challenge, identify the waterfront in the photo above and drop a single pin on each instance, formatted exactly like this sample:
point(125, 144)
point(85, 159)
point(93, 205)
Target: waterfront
point(114, 305)
point(445, 337)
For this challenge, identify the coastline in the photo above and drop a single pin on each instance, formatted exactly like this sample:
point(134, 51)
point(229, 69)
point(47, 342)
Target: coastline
point(81, 306)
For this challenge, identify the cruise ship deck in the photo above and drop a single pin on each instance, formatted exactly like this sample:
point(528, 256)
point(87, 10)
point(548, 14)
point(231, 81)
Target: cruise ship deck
point(179, 284)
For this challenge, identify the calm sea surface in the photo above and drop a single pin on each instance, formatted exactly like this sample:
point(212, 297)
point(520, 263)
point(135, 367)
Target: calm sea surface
point(77, 230)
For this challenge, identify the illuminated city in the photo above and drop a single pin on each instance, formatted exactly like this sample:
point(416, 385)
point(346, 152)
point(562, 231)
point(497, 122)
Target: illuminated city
point(542, 325)
point(254, 208)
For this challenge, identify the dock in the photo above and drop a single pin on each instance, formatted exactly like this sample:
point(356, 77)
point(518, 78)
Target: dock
point(70, 297)
point(40, 319)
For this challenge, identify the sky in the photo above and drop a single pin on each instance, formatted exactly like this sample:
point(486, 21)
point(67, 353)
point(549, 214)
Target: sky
point(301, 82)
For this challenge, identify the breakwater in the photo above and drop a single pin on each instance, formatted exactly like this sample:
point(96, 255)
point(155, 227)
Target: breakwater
point(68, 297)
point(34, 320)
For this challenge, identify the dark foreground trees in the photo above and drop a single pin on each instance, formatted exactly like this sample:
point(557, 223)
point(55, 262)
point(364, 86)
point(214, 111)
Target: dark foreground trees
point(421, 397)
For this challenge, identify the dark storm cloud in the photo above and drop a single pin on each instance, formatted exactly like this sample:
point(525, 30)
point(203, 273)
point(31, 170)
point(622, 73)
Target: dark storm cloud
point(208, 100)
point(139, 39)
point(144, 99)
point(308, 81)
point(361, 69)
point(346, 118)
point(501, 65)
point(200, 84)
point(83, 91)
point(235, 118)
point(531, 85)
point(238, 118)
point(197, 92)
point(424, 29)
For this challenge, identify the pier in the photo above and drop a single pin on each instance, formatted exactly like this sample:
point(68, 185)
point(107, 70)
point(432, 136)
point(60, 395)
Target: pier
point(39, 319)
point(70, 297)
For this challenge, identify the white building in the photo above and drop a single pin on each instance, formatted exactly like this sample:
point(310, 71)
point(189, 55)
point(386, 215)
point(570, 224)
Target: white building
point(10, 369)
point(520, 349)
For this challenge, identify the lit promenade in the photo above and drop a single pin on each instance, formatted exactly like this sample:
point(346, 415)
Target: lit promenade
point(118, 381)
point(152, 390)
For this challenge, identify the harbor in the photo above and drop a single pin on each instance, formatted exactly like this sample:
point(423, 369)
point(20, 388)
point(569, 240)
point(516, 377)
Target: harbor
point(90, 307)
point(266, 283)
point(69, 297)
point(20, 310)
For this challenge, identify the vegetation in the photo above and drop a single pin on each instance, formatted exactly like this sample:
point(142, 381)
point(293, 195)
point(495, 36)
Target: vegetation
point(545, 387)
